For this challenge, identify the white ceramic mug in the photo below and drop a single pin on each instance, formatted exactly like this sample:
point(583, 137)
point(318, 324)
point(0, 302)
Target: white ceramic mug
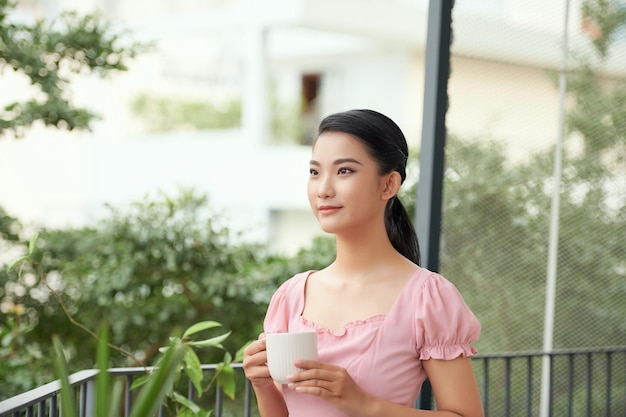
point(285, 348)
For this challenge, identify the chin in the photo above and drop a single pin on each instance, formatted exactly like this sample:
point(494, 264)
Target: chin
point(326, 226)
point(331, 227)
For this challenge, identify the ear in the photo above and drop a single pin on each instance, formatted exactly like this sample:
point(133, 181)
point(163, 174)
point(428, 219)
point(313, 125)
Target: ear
point(391, 185)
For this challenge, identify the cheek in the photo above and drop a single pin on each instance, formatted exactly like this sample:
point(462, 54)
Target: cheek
point(367, 200)
point(311, 193)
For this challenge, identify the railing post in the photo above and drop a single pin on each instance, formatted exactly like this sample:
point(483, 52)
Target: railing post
point(486, 385)
point(529, 386)
point(607, 404)
point(507, 387)
point(218, 401)
point(248, 398)
point(53, 406)
point(570, 385)
point(588, 382)
point(88, 399)
point(128, 396)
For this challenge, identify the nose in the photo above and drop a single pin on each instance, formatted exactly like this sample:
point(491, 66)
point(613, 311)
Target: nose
point(325, 187)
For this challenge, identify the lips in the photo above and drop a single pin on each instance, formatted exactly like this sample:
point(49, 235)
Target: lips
point(328, 209)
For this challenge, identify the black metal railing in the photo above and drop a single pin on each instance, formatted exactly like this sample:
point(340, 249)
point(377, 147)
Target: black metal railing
point(44, 401)
point(583, 382)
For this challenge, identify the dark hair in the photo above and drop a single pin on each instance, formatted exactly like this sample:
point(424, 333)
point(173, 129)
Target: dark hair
point(387, 145)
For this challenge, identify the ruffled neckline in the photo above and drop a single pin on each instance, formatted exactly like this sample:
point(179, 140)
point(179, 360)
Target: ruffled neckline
point(352, 324)
point(348, 326)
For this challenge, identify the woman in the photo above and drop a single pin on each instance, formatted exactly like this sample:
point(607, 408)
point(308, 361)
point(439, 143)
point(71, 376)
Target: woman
point(384, 324)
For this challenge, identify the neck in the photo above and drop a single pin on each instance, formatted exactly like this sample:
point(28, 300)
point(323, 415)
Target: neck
point(364, 252)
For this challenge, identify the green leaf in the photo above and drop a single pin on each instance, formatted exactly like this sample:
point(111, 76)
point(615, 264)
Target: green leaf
point(186, 413)
point(187, 403)
point(67, 398)
point(31, 248)
point(198, 327)
point(227, 358)
point(212, 342)
point(193, 368)
point(226, 380)
point(31, 244)
point(239, 354)
point(103, 378)
point(15, 262)
point(152, 395)
point(137, 382)
point(116, 398)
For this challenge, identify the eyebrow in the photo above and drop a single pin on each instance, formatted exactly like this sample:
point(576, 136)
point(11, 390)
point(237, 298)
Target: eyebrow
point(337, 161)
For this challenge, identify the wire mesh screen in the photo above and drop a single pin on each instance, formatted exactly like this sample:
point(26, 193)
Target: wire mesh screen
point(512, 138)
point(499, 200)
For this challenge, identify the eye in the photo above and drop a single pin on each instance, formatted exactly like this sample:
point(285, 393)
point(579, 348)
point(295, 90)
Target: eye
point(344, 171)
point(313, 172)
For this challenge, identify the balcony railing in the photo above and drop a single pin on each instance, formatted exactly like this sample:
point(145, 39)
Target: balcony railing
point(584, 382)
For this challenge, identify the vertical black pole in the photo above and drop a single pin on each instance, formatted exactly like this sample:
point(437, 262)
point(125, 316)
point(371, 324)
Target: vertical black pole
point(432, 151)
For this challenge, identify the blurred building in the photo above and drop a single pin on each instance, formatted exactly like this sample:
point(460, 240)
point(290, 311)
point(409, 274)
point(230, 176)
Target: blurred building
point(288, 63)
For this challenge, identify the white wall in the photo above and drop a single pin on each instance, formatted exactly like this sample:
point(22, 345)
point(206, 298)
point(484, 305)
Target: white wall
point(60, 181)
point(512, 104)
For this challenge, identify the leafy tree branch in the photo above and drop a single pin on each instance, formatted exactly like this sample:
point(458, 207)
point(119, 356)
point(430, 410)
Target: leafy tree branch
point(49, 54)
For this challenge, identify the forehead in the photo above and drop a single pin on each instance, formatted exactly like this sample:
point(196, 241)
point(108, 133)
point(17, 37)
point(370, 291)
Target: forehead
point(333, 145)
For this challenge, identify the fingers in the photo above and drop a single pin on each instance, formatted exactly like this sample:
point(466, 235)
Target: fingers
point(320, 379)
point(255, 355)
point(309, 364)
point(314, 376)
point(255, 347)
point(314, 370)
point(255, 361)
point(318, 384)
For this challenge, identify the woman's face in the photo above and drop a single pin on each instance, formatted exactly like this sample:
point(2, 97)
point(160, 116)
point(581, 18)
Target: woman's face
point(345, 190)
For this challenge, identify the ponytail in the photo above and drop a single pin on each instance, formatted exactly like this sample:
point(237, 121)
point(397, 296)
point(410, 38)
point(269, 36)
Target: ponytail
point(401, 231)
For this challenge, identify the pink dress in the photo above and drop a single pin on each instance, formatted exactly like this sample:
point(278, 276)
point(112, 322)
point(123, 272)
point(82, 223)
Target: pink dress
point(383, 354)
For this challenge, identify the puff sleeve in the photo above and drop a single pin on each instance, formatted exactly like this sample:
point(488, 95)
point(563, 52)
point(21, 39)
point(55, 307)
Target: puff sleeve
point(445, 325)
point(276, 316)
point(286, 305)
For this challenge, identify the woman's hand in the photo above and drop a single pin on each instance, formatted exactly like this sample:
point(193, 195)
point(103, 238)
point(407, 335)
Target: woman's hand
point(269, 397)
point(255, 363)
point(331, 383)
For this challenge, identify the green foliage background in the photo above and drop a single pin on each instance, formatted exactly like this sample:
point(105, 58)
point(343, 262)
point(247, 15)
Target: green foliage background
point(162, 263)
